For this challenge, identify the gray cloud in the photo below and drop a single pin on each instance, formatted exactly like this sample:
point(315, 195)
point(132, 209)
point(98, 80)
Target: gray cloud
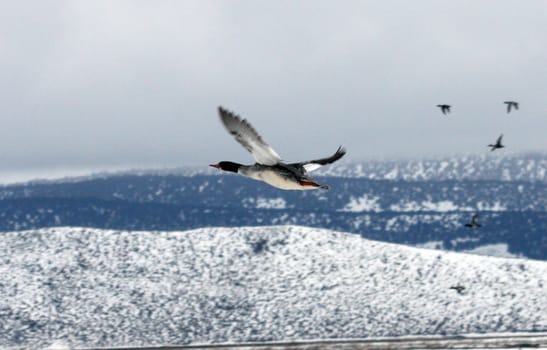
point(130, 83)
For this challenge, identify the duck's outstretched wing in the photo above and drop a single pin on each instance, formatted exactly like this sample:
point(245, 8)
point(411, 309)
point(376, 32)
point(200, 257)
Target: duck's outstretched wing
point(312, 165)
point(247, 136)
point(498, 142)
point(475, 219)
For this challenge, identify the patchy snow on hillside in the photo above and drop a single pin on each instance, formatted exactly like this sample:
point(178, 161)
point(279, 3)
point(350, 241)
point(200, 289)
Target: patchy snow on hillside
point(499, 250)
point(265, 203)
point(363, 203)
point(368, 203)
point(90, 287)
point(506, 167)
point(440, 206)
point(495, 206)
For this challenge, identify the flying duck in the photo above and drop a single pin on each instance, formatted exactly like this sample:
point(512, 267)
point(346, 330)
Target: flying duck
point(497, 144)
point(444, 108)
point(269, 167)
point(458, 289)
point(474, 222)
point(511, 104)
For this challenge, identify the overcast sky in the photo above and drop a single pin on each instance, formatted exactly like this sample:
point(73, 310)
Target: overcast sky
point(111, 84)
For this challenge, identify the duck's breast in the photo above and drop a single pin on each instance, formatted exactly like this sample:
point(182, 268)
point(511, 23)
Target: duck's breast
point(276, 179)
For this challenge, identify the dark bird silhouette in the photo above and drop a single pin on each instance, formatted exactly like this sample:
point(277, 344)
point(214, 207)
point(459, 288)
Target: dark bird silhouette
point(511, 104)
point(497, 144)
point(444, 108)
point(474, 222)
point(458, 289)
point(268, 167)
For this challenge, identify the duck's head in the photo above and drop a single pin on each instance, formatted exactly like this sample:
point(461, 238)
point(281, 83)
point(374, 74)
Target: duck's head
point(227, 166)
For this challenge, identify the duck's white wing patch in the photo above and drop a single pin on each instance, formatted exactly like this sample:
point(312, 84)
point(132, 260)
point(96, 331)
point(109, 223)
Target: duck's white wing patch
point(312, 166)
point(247, 136)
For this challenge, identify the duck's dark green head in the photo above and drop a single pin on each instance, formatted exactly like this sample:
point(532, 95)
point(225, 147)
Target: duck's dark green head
point(227, 166)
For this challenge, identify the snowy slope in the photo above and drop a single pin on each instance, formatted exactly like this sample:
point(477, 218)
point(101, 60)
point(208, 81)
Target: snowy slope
point(94, 287)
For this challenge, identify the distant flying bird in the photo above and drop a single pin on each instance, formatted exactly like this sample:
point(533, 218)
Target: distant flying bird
point(458, 289)
point(497, 144)
point(444, 108)
point(269, 167)
point(511, 104)
point(474, 222)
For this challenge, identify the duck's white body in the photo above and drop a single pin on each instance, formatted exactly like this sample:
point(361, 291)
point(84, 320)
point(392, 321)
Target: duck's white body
point(269, 168)
point(274, 178)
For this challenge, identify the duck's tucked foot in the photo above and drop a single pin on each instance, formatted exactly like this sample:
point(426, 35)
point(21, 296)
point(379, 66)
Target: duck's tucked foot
point(324, 187)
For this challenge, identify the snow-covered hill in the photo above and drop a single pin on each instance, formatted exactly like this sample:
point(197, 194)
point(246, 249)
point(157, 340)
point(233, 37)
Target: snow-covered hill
point(94, 287)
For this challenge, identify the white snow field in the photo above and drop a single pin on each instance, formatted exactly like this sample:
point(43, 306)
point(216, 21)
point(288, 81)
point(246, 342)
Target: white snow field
point(88, 287)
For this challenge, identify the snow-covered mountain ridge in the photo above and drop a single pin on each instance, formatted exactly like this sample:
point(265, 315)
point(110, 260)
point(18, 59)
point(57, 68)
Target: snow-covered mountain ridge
point(511, 167)
point(506, 167)
point(95, 287)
